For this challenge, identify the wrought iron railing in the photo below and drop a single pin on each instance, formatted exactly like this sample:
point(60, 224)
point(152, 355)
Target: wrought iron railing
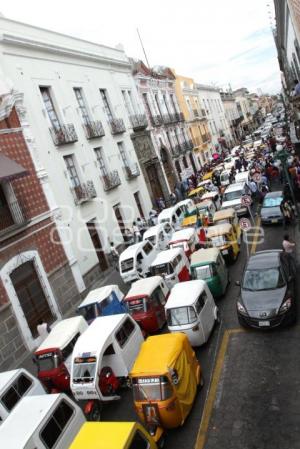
point(176, 150)
point(117, 126)
point(206, 137)
point(179, 117)
point(196, 113)
point(131, 171)
point(138, 121)
point(84, 192)
point(188, 145)
point(11, 215)
point(111, 180)
point(93, 129)
point(63, 134)
point(156, 120)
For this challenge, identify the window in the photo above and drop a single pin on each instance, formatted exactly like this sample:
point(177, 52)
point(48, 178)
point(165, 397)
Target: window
point(53, 429)
point(173, 102)
point(69, 348)
point(168, 228)
point(166, 104)
point(169, 140)
point(72, 171)
point(126, 102)
point(53, 117)
point(147, 106)
point(124, 332)
point(138, 442)
point(201, 302)
point(16, 391)
point(82, 106)
point(106, 104)
point(157, 103)
point(181, 316)
point(123, 153)
point(147, 248)
point(109, 350)
point(159, 297)
point(101, 162)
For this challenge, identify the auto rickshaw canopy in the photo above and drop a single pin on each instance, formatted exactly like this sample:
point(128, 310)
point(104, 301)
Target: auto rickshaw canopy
point(224, 214)
point(207, 176)
point(196, 191)
point(207, 255)
point(189, 221)
point(104, 435)
point(215, 231)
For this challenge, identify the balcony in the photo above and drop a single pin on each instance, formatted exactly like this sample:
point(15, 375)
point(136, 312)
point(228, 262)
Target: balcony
point(84, 192)
point(196, 113)
point(131, 171)
point(203, 113)
point(176, 151)
point(64, 134)
point(117, 126)
point(188, 145)
point(156, 120)
point(138, 121)
point(11, 217)
point(179, 117)
point(206, 138)
point(93, 129)
point(111, 180)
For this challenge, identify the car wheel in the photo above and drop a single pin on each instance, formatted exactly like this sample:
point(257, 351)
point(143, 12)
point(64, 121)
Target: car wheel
point(95, 413)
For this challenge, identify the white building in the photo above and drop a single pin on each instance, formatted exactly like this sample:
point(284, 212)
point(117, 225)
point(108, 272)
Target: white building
point(219, 127)
point(78, 130)
point(232, 114)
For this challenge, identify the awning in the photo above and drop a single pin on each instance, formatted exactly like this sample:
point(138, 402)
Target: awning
point(9, 169)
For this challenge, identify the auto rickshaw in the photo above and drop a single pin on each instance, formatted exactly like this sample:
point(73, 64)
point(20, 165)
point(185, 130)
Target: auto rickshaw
point(207, 175)
point(206, 210)
point(208, 264)
point(115, 435)
point(193, 221)
point(186, 239)
point(196, 192)
point(228, 216)
point(165, 377)
point(145, 301)
point(223, 237)
point(172, 265)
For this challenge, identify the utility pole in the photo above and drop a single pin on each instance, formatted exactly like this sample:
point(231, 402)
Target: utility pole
point(141, 42)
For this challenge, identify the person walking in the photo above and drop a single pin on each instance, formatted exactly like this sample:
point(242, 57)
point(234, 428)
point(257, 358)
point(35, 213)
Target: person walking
point(136, 233)
point(288, 245)
point(114, 255)
point(286, 211)
point(43, 329)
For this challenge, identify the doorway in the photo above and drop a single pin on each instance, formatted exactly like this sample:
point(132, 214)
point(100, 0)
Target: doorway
point(168, 168)
point(31, 296)
point(97, 245)
point(119, 218)
point(138, 203)
point(178, 168)
point(154, 183)
point(193, 163)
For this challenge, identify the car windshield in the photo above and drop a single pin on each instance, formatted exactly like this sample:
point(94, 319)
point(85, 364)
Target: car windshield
point(46, 362)
point(272, 202)
point(136, 305)
point(230, 196)
point(180, 316)
point(127, 265)
point(267, 279)
point(84, 369)
point(89, 312)
point(218, 240)
point(152, 388)
point(151, 239)
point(203, 272)
point(162, 269)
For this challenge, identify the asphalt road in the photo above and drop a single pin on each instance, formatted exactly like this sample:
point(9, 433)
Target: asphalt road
point(257, 389)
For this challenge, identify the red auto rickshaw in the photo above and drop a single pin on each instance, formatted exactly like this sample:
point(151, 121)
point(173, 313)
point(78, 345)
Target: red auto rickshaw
point(145, 301)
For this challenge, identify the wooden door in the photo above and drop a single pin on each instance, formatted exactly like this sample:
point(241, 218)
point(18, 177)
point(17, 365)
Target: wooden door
point(154, 182)
point(97, 245)
point(119, 218)
point(138, 203)
point(31, 296)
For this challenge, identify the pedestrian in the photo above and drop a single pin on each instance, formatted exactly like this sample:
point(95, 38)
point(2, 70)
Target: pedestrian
point(288, 245)
point(253, 188)
point(141, 224)
point(136, 233)
point(43, 329)
point(286, 211)
point(114, 255)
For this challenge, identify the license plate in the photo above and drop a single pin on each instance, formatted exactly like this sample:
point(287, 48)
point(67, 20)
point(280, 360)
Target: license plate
point(264, 323)
point(225, 251)
point(274, 220)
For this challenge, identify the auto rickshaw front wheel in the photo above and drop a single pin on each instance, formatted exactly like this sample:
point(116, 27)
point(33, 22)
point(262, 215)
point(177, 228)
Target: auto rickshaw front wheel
point(95, 412)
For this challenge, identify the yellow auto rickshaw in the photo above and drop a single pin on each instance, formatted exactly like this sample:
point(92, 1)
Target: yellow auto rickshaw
point(207, 175)
point(196, 192)
point(193, 221)
point(228, 216)
point(112, 435)
point(222, 236)
point(165, 377)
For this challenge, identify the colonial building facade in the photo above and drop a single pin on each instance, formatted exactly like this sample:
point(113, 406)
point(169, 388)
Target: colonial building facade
point(233, 115)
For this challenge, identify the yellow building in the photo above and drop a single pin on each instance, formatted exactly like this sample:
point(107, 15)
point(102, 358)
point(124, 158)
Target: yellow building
point(195, 117)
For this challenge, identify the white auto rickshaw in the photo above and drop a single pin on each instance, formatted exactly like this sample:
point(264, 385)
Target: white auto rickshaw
point(186, 239)
point(14, 386)
point(159, 235)
point(53, 356)
point(102, 359)
point(172, 265)
point(50, 421)
point(214, 196)
point(191, 309)
point(134, 262)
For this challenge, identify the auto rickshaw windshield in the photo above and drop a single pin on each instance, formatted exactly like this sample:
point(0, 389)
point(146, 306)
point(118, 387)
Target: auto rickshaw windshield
point(89, 312)
point(218, 240)
point(162, 269)
point(151, 239)
point(48, 361)
point(84, 369)
point(136, 305)
point(203, 272)
point(152, 388)
point(181, 315)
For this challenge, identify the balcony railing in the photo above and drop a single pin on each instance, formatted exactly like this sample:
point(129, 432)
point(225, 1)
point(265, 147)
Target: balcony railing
point(179, 117)
point(93, 129)
point(196, 113)
point(11, 216)
point(176, 150)
point(84, 192)
point(206, 138)
point(131, 171)
point(117, 126)
point(156, 120)
point(64, 134)
point(138, 121)
point(111, 180)
point(203, 113)
point(188, 145)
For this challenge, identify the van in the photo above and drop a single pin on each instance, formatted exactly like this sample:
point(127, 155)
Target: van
point(159, 235)
point(173, 215)
point(14, 386)
point(134, 262)
point(50, 421)
point(232, 197)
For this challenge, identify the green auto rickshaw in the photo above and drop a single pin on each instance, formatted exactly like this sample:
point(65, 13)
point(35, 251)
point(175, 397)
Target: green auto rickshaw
point(209, 265)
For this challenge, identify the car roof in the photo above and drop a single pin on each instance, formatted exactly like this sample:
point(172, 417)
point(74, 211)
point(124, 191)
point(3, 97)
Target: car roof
point(264, 260)
point(185, 293)
point(214, 231)
point(154, 230)
point(166, 213)
point(144, 286)
point(6, 377)
point(63, 333)
point(99, 294)
point(132, 250)
point(274, 194)
point(204, 255)
point(182, 234)
point(235, 186)
point(104, 435)
point(166, 256)
point(223, 214)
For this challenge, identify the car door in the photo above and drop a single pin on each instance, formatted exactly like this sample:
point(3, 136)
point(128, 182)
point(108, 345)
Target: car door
point(205, 306)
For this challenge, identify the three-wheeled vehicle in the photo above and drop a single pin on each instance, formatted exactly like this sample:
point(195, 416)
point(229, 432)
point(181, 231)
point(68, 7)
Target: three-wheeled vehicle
point(223, 237)
point(14, 386)
point(224, 178)
point(196, 193)
point(228, 216)
point(191, 309)
point(53, 356)
point(186, 239)
point(164, 378)
point(42, 422)
point(146, 300)
point(134, 262)
point(213, 196)
point(206, 208)
point(113, 435)
point(172, 265)
point(208, 264)
point(193, 221)
point(159, 235)
point(172, 215)
point(102, 359)
point(102, 301)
